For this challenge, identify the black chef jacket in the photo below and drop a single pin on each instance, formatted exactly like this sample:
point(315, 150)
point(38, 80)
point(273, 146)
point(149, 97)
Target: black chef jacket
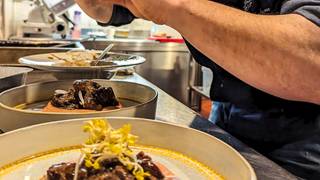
point(286, 131)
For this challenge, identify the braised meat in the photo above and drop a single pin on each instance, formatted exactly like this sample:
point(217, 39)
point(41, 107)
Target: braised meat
point(146, 163)
point(86, 94)
point(65, 100)
point(65, 171)
point(111, 169)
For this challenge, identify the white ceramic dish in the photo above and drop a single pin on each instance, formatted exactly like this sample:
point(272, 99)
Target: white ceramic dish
point(190, 154)
point(115, 61)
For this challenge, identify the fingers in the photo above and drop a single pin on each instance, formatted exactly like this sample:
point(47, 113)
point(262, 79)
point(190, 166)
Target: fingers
point(94, 5)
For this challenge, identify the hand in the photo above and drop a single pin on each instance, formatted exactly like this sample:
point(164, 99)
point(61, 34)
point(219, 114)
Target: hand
point(100, 10)
point(157, 11)
point(154, 10)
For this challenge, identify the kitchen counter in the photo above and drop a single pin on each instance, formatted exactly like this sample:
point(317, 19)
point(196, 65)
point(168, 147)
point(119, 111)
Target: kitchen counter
point(171, 110)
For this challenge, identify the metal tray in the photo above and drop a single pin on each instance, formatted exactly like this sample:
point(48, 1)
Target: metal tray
point(115, 61)
point(12, 77)
point(138, 101)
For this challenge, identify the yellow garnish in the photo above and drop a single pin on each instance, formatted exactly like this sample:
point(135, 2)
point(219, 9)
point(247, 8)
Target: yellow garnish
point(104, 142)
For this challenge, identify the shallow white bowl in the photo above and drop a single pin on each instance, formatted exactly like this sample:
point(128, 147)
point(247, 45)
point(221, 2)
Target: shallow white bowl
point(194, 144)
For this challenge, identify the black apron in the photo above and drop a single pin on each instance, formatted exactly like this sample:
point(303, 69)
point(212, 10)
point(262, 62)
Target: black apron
point(288, 132)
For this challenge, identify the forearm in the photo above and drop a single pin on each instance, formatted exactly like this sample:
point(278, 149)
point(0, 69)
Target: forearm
point(277, 54)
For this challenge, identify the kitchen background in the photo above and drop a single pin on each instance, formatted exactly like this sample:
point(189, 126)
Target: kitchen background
point(169, 65)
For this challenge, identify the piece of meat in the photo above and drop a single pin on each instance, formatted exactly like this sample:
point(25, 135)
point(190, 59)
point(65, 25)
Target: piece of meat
point(111, 169)
point(106, 97)
point(87, 89)
point(65, 171)
point(123, 173)
point(95, 97)
point(85, 86)
point(146, 163)
point(65, 100)
point(86, 94)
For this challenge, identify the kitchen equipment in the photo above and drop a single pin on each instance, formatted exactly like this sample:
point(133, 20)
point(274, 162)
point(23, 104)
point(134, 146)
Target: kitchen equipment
point(166, 63)
point(138, 101)
point(50, 62)
point(12, 77)
point(163, 138)
point(44, 20)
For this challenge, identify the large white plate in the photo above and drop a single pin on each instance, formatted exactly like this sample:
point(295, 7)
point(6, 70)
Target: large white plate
point(44, 62)
point(190, 154)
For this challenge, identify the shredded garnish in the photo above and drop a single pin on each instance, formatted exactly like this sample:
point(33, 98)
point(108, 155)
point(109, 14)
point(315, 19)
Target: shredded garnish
point(104, 142)
point(75, 58)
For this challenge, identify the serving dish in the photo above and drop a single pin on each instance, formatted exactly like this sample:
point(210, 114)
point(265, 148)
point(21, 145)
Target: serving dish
point(191, 154)
point(22, 106)
point(12, 77)
point(79, 61)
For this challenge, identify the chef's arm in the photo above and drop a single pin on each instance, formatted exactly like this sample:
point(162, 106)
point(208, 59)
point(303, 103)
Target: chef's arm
point(277, 54)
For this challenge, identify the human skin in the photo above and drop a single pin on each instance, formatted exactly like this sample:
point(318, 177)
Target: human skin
point(278, 54)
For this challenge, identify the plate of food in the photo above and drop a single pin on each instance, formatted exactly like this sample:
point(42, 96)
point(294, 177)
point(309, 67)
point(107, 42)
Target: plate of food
point(86, 60)
point(118, 148)
point(58, 100)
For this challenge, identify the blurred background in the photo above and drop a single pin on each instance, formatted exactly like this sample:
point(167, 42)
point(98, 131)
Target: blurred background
point(44, 26)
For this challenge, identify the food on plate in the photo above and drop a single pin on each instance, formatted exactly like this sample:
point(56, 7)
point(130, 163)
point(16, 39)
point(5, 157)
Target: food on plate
point(85, 96)
point(75, 58)
point(107, 154)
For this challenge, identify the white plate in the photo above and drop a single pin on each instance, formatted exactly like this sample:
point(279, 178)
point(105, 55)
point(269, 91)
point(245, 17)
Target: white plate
point(189, 154)
point(44, 62)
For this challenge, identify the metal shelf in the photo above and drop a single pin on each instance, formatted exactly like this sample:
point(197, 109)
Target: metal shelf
point(200, 90)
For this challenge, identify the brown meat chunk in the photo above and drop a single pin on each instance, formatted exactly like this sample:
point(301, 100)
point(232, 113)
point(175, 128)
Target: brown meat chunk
point(146, 163)
point(94, 97)
point(65, 171)
point(66, 100)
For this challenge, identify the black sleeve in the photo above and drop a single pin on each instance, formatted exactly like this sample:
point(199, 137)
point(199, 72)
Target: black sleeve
point(310, 9)
point(120, 16)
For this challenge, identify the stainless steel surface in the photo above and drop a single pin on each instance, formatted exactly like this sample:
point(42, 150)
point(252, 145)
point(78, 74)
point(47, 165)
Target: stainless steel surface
point(135, 45)
point(11, 77)
point(167, 66)
point(11, 55)
point(13, 118)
